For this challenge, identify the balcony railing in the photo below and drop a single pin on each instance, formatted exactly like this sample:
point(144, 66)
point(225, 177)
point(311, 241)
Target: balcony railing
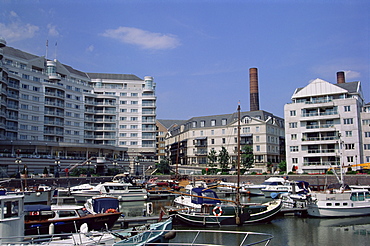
point(320, 138)
point(320, 126)
point(319, 114)
point(311, 151)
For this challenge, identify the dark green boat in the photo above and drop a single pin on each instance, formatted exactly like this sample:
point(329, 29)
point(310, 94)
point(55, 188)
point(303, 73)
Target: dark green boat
point(229, 214)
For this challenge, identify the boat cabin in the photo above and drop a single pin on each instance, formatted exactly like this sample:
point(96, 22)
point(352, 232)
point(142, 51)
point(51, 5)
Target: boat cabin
point(200, 196)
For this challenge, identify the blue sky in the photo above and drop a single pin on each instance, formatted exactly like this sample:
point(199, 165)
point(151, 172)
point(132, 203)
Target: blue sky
point(199, 52)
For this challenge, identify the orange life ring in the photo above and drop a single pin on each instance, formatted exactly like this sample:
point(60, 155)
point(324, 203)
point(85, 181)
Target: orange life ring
point(219, 213)
point(111, 210)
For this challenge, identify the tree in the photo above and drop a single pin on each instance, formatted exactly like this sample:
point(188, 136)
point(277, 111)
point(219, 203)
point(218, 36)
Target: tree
point(247, 157)
point(212, 157)
point(223, 158)
point(163, 166)
point(282, 166)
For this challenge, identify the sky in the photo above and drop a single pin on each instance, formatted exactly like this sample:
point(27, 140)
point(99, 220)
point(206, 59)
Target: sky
point(200, 51)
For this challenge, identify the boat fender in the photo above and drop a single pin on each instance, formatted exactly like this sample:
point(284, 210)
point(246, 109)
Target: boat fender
point(38, 193)
point(219, 213)
point(84, 228)
point(51, 228)
point(170, 235)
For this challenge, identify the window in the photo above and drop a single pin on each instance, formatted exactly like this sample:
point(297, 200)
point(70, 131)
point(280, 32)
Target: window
point(293, 136)
point(257, 138)
point(293, 148)
point(36, 99)
point(194, 124)
point(367, 146)
point(134, 118)
point(202, 123)
point(122, 134)
point(122, 143)
point(223, 140)
point(134, 135)
point(347, 108)
point(212, 141)
point(292, 113)
point(213, 122)
point(349, 158)
point(123, 110)
point(223, 131)
point(134, 102)
point(246, 129)
point(35, 118)
point(134, 94)
point(24, 96)
point(348, 121)
point(134, 110)
point(349, 146)
point(293, 125)
point(123, 94)
point(133, 127)
point(348, 133)
point(133, 143)
point(258, 148)
point(367, 134)
point(24, 106)
point(123, 126)
point(224, 122)
point(295, 160)
point(36, 88)
point(25, 86)
point(366, 122)
point(123, 102)
point(201, 133)
point(257, 129)
point(212, 132)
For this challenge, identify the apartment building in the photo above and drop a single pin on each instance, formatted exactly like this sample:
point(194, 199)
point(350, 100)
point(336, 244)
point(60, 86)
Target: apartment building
point(191, 142)
point(50, 110)
point(326, 125)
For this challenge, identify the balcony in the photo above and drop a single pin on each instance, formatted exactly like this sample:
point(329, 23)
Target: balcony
point(315, 151)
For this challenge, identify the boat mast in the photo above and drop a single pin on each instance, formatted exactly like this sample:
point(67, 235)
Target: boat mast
point(237, 218)
point(238, 160)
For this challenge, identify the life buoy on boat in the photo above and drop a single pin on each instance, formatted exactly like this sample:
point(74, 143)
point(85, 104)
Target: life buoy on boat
point(110, 210)
point(217, 213)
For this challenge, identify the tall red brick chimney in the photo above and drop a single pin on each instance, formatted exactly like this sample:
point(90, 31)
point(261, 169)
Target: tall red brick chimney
point(253, 89)
point(341, 78)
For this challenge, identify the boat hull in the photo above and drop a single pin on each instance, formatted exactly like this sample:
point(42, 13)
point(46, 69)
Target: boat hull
point(248, 215)
point(94, 222)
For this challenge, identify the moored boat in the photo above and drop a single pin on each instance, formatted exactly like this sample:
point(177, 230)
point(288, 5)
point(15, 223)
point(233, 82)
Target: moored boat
point(122, 191)
point(339, 201)
point(45, 219)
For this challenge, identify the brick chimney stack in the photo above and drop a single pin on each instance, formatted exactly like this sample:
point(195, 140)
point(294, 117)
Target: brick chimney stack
point(341, 78)
point(253, 89)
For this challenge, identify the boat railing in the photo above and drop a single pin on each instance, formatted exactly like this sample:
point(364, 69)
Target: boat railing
point(212, 238)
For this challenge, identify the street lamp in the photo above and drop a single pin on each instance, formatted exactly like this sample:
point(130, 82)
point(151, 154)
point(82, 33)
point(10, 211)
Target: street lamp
point(56, 172)
point(18, 161)
point(88, 169)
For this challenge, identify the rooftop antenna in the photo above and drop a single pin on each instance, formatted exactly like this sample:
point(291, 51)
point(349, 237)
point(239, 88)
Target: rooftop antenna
point(47, 46)
point(55, 54)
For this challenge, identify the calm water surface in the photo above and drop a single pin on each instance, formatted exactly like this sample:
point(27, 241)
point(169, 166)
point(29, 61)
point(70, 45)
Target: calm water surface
point(288, 230)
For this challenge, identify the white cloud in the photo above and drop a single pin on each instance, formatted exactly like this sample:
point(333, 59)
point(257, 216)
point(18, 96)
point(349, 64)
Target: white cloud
point(90, 48)
point(52, 30)
point(17, 31)
point(142, 38)
point(349, 74)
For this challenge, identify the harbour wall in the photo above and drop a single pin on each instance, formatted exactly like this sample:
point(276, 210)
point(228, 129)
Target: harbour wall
point(314, 180)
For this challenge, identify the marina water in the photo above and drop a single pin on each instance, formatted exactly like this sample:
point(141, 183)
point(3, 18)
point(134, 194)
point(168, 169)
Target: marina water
point(288, 230)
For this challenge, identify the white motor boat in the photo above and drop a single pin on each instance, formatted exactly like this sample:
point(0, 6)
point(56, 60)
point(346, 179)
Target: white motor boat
point(281, 185)
point(122, 191)
point(339, 202)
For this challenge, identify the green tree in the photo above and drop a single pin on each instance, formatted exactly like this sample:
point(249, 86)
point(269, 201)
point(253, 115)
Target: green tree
point(164, 166)
point(282, 166)
point(212, 158)
point(223, 158)
point(247, 157)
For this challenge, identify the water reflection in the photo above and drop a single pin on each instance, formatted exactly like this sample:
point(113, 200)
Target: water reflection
point(287, 230)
